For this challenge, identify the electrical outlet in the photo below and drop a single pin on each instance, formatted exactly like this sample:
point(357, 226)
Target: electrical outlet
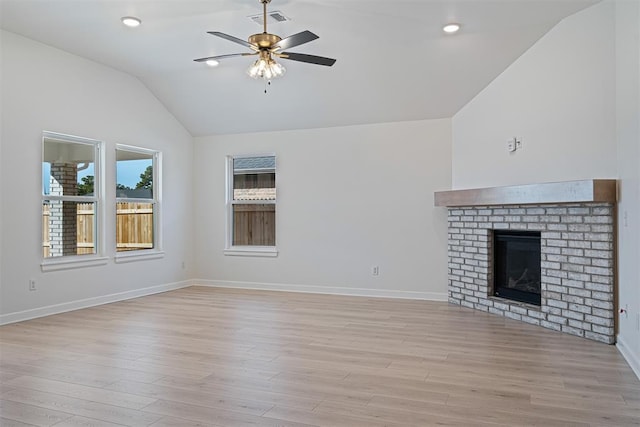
point(624, 312)
point(375, 270)
point(32, 285)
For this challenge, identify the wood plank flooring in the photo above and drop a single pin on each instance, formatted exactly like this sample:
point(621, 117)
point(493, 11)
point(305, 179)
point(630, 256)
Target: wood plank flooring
point(218, 357)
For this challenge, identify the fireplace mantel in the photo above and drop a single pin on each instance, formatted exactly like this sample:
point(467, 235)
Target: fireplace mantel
point(584, 191)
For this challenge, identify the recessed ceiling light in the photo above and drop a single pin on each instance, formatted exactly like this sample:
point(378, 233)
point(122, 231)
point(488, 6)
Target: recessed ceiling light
point(212, 63)
point(451, 28)
point(131, 21)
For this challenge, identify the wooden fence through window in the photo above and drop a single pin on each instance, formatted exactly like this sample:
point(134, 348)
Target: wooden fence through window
point(254, 225)
point(134, 227)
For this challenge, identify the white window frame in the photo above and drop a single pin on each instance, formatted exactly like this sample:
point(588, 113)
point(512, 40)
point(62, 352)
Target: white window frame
point(156, 201)
point(230, 249)
point(98, 258)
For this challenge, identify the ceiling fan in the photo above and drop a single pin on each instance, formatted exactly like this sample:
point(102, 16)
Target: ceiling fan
point(267, 46)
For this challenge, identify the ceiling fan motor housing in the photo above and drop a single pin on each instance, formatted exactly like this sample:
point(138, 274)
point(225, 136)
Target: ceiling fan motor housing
point(264, 40)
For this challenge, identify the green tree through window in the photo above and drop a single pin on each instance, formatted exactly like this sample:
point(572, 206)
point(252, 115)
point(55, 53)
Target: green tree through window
point(146, 178)
point(86, 186)
point(146, 181)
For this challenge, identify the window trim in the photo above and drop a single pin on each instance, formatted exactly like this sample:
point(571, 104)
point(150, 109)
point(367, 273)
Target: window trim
point(229, 248)
point(88, 260)
point(157, 250)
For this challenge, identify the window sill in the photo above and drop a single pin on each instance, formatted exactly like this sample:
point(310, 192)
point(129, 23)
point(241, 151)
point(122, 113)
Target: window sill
point(70, 262)
point(254, 251)
point(134, 256)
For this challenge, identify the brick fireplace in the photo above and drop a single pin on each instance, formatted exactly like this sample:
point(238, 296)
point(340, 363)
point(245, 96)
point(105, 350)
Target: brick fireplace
point(576, 222)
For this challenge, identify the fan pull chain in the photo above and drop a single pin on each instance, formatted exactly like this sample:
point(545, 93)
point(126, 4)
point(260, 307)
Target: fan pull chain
point(267, 82)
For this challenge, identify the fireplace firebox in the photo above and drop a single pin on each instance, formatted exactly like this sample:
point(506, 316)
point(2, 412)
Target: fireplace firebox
point(516, 265)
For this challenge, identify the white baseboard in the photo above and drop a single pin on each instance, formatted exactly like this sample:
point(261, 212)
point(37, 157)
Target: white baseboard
point(631, 358)
point(331, 290)
point(20, 316)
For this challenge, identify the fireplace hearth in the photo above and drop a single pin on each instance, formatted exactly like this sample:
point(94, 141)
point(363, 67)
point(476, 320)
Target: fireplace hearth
point(516, 266)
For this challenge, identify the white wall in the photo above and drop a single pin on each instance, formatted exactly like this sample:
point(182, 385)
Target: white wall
point(559, 97)
point(628, 139)
point(46, 89)
point(574, 98)
point(348, 198)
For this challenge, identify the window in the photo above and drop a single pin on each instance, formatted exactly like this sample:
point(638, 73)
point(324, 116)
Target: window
point(251, 205)
point(71, 199)
point(137, 201)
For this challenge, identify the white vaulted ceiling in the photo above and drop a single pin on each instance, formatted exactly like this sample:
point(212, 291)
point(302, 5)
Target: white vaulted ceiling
point(394, 63)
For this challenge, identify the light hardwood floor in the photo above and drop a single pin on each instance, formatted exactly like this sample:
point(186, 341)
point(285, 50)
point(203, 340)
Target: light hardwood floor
point(217, 357)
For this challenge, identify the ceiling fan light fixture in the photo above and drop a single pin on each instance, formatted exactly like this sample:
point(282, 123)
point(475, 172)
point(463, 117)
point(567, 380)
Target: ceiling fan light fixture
point(131, 21)
point(451, 28)
point(266, 68)
point(212, 63)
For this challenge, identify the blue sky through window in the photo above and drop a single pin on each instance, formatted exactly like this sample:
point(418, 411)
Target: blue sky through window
point(128, 172)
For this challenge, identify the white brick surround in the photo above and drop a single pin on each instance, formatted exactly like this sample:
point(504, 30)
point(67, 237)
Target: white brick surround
point(577, 264)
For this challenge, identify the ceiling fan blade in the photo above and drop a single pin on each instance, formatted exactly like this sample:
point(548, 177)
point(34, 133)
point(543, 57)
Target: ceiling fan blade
point(234, 39)
point(224, 56)
point(311, 59)
point(294, 40)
